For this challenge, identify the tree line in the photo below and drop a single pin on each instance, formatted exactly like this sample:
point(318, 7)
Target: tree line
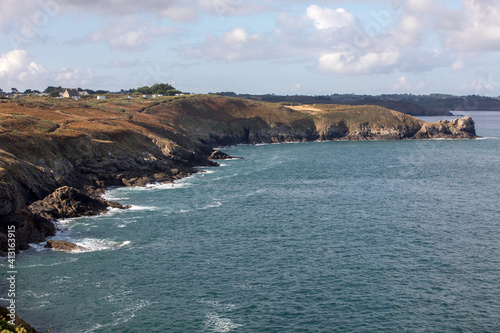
point(159, 89)
point(53, 91)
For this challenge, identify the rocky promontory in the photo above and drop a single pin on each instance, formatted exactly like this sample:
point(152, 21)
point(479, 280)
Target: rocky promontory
point(58, 156)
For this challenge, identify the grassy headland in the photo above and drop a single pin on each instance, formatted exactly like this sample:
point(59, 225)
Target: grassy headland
point(47, 143)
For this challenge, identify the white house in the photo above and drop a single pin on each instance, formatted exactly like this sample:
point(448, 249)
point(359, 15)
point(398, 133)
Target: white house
point(101, 97)
point(145, 96)
point(83, 93)
point(71, 93)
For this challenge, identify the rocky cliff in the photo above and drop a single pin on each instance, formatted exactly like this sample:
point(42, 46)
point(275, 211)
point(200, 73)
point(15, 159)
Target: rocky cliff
point(66, 152)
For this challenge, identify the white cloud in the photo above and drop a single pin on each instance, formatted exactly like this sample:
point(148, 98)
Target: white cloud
point(482, 84)
point(458, 64)
point(180, 14)
point(406, 36)
point(13, 61)
point(325, 18)
point(224, 8)
point(125, 36)
point(17, 69)
point(27, 20)
point(236, 44)
point(422, 6)
point(479, 29)
point(122, 63)
point(332, 41)
point(348, 62)
point(404, 84)
point(236, 36)
point(410, 31)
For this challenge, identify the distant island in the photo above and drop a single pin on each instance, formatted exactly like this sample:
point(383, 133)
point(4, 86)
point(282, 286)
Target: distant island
point(59, 154)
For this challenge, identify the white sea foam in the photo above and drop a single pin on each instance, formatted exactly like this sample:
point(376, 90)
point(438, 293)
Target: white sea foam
point(170, 186)
point(122, 316)
point(224, 177)
point(219, 306)
point(113, 195)
point(113, 211)
point(203, 170)
point(93, 244)
point(216, 323)
point(62, 262)
point(139, 207)
point(38, 247)
point(212, 205)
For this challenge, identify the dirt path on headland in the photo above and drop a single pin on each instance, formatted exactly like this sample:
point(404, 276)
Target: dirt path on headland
point(305, 108)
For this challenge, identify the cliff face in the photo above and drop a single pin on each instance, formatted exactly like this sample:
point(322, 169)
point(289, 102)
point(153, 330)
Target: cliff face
point(88, 145)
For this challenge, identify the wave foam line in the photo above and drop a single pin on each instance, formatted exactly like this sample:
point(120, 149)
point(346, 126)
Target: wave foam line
point(93, 244)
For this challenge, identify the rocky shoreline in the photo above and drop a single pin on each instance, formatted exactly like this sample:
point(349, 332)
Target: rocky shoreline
point(56, 160)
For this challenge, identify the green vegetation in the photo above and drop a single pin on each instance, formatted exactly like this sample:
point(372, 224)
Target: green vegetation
point(158, 88)
point(6, 327)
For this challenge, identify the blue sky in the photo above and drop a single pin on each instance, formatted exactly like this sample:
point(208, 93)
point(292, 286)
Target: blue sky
point(262, 46)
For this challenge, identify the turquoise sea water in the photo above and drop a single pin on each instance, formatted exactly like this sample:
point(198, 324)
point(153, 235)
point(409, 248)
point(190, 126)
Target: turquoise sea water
point(384, 236)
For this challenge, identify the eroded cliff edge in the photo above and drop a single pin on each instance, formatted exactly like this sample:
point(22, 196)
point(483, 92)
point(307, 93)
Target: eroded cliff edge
point(87, 145)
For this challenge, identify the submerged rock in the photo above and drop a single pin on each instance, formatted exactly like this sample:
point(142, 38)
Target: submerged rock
point(218, 155)
point(59, 245)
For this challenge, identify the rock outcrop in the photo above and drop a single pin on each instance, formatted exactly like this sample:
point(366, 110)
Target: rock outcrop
point(462, 128)
point(59, 245)
point(68, 202)
point(219, 155)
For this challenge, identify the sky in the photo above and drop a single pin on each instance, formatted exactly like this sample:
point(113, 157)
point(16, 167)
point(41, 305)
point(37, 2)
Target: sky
point(262, 46)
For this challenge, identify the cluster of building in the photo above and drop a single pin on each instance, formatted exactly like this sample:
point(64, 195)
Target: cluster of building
point(76, 94)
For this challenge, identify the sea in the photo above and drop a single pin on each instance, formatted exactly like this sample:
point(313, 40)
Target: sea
point(344, 236)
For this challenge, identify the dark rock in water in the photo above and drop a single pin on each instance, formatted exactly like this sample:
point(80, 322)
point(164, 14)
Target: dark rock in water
point(63, 246)
point(70, 202)
point(29, 228)
point(218, 155)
